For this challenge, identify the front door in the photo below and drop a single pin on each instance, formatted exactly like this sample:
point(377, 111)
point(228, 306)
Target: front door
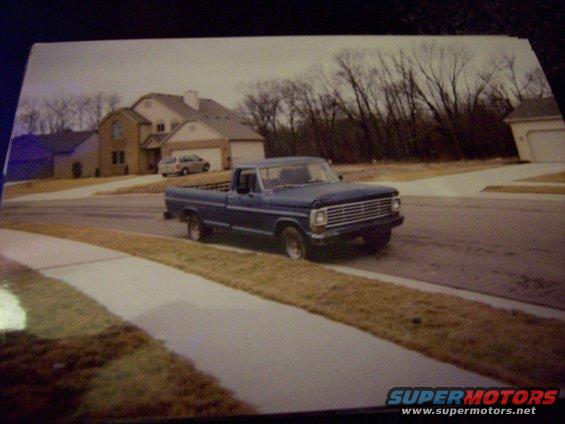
point(156, 159)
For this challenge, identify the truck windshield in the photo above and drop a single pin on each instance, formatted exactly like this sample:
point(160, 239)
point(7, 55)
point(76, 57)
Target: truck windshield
point(296, 175)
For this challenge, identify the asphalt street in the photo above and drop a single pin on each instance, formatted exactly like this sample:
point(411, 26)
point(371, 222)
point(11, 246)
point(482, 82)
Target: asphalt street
point(509, 248)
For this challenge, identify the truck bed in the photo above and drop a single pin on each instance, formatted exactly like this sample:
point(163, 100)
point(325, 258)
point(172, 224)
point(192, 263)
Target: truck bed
point(208, 199)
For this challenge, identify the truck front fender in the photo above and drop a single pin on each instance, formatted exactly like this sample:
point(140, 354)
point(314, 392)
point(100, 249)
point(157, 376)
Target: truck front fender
point(284, 221)
point(187, 211)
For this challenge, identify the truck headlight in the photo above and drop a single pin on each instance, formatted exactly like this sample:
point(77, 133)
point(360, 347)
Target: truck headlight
point(320, 217)
point(318, 220)
point(395, 205)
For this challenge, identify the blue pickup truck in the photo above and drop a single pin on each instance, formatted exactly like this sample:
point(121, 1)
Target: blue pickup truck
point(297, 200)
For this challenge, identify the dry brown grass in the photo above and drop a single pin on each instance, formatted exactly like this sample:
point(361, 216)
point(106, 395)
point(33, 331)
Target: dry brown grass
point(159, 186)
point(558, 177)
point(398, 171)
point(106, 368)
point(508, 345)
point(525, 189)
point(53, 184)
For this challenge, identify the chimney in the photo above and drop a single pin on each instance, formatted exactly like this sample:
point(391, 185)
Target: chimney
point(190, 97)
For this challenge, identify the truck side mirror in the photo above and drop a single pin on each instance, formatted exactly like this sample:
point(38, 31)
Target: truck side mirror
point(242, 189)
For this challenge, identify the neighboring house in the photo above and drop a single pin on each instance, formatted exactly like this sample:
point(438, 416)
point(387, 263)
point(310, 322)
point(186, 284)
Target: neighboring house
point(69, 147)
point(156, 125)
point(52, 155)
point(28, 159)
point(539, 130)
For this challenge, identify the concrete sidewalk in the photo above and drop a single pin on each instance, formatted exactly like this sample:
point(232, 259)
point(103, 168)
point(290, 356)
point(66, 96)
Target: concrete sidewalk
point(276, 357)
point(86, 191)
point(470, 184)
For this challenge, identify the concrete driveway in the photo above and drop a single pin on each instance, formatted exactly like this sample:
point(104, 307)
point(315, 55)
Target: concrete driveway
point(87, 191)
point(470, 184)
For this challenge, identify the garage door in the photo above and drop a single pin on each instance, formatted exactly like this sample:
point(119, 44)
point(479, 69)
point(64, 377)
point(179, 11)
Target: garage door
point(547, 146)
point(212, 155)
point(246, 151)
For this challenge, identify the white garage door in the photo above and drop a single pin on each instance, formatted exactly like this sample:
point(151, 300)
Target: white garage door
point(212, 155)
point(547, 146)
point(246, 151)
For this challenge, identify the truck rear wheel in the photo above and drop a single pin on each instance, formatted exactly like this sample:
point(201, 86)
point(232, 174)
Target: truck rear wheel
point(196, 229)
point(295, 244)
point(376, 240)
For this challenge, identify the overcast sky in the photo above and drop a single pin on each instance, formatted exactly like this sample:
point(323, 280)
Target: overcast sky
point(213, 67)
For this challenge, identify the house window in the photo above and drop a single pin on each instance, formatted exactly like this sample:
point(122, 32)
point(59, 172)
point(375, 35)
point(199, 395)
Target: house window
point(117, 130)
point(118, 157)
point(160, 126)
point(174, 125)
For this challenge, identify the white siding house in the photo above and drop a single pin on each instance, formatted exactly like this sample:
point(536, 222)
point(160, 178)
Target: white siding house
point(538, 130)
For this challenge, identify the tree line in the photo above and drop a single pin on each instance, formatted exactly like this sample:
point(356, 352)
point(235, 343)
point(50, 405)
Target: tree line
point(65, 112)
point(431, 102)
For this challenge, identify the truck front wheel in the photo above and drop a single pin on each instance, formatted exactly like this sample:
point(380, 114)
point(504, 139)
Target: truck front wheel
point(295, 244)
point(376, 240)
point(196, 229)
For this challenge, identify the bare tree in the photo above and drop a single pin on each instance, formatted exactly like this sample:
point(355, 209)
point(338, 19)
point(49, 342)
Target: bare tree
point(289, 93)
point(432, 101)
point(82, 105)
point(64, 112)
point(113, 101)
point(352, 76)
point(315, 113)
point(58, 114)
point(99, 104)
point(28, 117)
point(263, 103)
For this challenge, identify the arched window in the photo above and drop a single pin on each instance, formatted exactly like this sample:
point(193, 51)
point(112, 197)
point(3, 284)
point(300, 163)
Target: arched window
point(117, 130)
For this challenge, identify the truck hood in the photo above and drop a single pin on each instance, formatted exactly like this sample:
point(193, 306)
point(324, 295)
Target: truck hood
point(328, 194)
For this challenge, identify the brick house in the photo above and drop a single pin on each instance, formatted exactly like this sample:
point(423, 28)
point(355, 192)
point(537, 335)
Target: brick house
point(134, 139)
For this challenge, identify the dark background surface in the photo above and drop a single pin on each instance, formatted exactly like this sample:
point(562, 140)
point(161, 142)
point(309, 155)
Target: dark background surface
point(26, 22)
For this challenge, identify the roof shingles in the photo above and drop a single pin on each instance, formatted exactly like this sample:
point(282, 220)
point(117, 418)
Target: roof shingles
point(64, 142)
point(534, 108)
point(222, 119)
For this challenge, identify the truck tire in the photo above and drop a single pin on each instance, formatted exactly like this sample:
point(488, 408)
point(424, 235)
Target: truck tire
point(376, 240)
point(196, 229)
point(184, 171)
point(164, 175)
point(295, 245)
point(206, 168)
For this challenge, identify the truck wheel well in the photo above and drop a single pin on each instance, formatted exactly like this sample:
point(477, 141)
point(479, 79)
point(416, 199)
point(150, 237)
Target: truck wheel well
point(186, 214)
point(283, 224)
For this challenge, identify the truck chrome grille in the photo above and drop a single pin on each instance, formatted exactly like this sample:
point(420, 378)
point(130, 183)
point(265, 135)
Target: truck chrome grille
point(350, 213)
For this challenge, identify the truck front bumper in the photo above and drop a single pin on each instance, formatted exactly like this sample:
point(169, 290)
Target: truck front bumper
point(350, 232)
